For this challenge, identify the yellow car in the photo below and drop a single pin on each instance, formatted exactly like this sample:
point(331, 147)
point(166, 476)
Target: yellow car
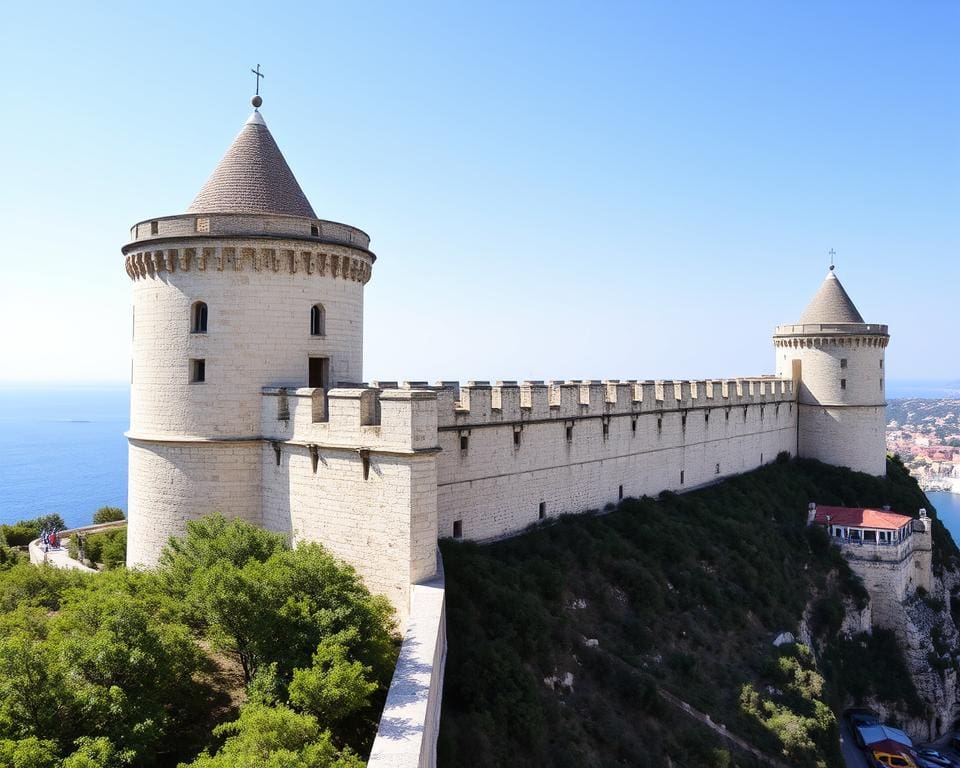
point(894, 760)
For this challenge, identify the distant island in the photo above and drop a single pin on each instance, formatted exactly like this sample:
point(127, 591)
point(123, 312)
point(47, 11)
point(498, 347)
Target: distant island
point(926, 435)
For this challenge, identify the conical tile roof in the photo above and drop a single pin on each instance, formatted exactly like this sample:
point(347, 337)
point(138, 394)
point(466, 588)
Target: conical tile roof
point(830, 304)
point(252, 177)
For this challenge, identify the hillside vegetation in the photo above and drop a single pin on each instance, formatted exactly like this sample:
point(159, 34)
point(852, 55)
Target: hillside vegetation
point(561, 639)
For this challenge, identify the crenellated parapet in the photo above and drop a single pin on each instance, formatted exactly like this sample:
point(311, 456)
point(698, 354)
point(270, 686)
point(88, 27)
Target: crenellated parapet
point(287, 257)
point(399, 421)
point(479, 402)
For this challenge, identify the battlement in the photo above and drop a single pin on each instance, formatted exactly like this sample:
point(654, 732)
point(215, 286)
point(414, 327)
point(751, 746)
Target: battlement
point(358, 418)
point(505, 401)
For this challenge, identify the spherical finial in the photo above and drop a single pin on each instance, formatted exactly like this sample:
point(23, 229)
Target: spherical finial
point(832, 267)
point(256, 101)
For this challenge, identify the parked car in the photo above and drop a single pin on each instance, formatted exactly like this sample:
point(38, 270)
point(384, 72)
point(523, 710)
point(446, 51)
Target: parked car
point(931, 758)
point(892, 760)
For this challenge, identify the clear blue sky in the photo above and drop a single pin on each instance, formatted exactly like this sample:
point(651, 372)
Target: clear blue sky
point(591, 190)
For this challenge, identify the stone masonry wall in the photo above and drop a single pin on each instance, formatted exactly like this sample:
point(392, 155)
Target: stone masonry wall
point(357, 474)
point(892, 574)
point(173, 482)
point(576, 446)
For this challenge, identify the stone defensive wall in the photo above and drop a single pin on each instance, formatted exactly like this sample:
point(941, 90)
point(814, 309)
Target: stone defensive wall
point(355, 469)
point(513, 454)
point(480, 461)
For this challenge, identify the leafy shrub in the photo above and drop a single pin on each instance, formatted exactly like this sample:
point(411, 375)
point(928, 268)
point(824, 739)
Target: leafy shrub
point(108, 515)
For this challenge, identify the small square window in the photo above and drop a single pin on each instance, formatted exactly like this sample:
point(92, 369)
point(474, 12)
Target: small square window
point(198, 371)
point(458, 529)
point(314, 230)
point(202, 224)
point(464, 442)
point(843, 363)
point(843, 383)
point(542, 510)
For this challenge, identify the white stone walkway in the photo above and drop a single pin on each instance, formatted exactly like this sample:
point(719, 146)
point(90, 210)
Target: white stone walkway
point(58, 558)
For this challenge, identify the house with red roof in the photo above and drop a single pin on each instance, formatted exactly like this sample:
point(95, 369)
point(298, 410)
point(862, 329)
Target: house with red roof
point(890, 552)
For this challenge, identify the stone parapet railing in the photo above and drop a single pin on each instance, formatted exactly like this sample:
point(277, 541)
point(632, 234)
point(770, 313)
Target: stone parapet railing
point(818, 329)
point(410, 723)
point(245, 225)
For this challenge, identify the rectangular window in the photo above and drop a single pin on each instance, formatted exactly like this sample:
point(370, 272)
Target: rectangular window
point(569, 433)
point(843, 363)
point(458, 529)
point(606, 429)
point(314, 230)
point(881, 363)
point(154, 227)
point(464, 442)
point(516, 438)
point(633, 426)
point(683, 422)
point(716, 470)
point(198, 371)
point(659, 424)
point(620, 493)
point(681, 477)
point(706, 417)
point(542, 510)
point(843, 383)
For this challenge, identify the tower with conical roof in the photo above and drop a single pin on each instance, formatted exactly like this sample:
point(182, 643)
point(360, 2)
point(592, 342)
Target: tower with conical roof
point(836, 361)
point(246, 290)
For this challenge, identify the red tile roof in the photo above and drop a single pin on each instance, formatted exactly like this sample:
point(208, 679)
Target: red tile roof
point(858, 517)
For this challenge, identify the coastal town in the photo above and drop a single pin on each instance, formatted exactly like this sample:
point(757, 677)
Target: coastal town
point(925, 434)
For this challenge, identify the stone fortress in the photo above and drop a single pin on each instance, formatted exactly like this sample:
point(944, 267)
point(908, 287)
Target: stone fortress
point(245, 398)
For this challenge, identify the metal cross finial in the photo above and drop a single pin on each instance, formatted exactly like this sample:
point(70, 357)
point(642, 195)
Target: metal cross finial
point(832, 254)
point(259, 74)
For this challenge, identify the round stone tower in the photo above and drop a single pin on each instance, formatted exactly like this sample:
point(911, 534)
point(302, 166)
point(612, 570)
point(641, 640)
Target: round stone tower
point(247, 289)
point(836, 361)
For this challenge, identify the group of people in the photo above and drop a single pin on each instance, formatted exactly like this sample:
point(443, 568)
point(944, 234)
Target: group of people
point(50, 538)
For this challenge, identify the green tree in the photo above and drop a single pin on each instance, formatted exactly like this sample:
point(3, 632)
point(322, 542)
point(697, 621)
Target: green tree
point(276, 737)
point(108, 515)
point(333, 688)
point(30, 752)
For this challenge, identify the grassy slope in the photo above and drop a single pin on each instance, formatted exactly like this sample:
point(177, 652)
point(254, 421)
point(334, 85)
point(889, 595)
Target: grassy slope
point(684, 593)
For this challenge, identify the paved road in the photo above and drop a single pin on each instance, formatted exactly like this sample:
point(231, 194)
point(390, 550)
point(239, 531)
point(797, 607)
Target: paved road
point(853, 756)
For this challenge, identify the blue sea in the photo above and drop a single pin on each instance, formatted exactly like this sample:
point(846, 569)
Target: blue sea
point(62, 450)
